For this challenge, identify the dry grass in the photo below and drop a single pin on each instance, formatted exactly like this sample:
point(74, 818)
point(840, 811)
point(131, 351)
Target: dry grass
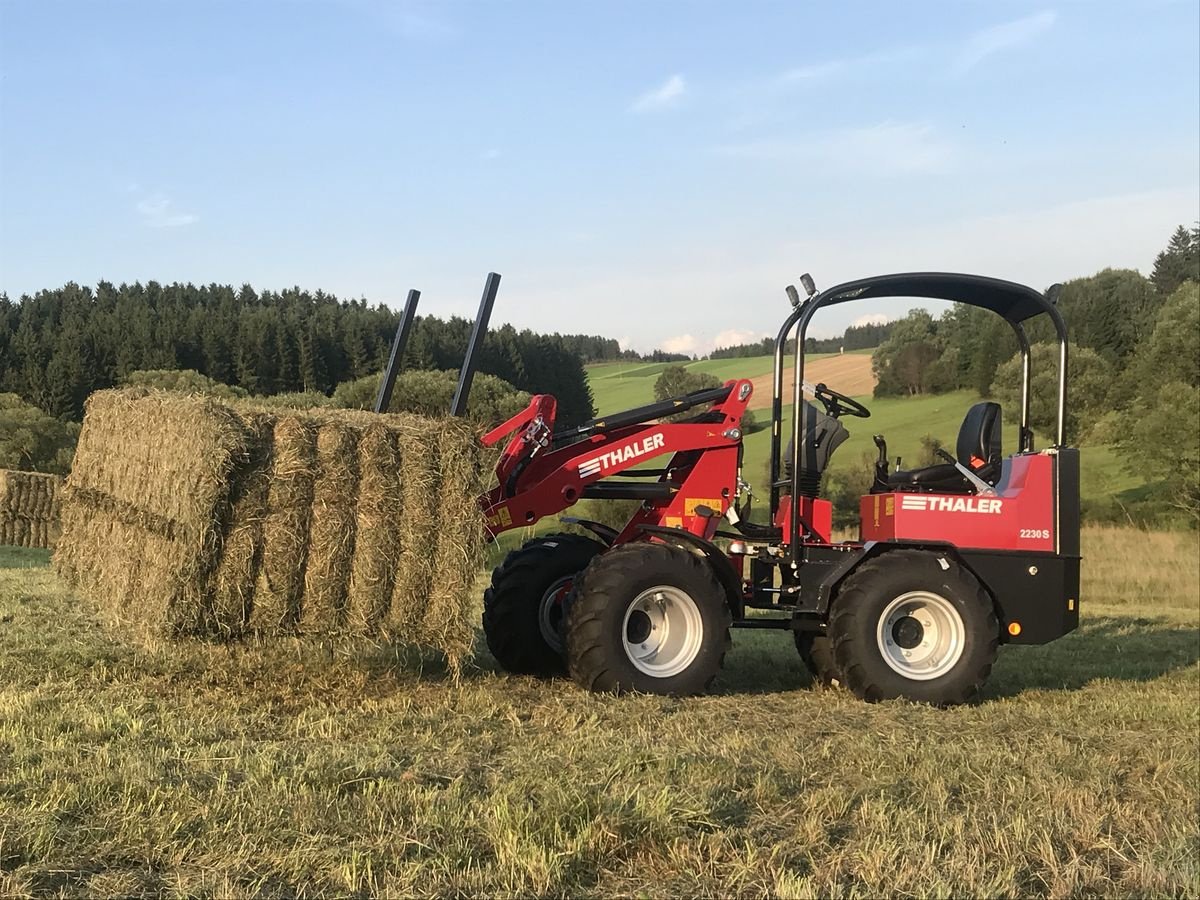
point(188, 516)
point(134, 769)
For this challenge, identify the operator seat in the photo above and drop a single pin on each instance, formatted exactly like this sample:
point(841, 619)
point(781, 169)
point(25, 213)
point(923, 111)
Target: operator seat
point(978, 449)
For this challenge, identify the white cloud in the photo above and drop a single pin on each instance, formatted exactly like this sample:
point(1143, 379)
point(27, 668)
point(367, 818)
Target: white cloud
point(997, 38)
point(665, 95)
point(157, 211)
point(734, 336)
point(889, 148)
point(681, 343)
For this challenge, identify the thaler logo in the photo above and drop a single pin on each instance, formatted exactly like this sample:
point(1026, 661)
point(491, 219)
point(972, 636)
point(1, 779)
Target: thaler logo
point(620, 454)
point(914, 502)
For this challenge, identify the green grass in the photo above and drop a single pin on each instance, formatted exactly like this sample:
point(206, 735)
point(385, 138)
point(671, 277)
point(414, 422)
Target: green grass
point(188, 769)
point(618, 386)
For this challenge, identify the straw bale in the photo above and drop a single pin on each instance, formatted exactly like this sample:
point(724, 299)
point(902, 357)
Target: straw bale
point(290, 474)
point(242, 548)
point(332, 527)
point(149, 482)
point(28, 508)
point(458, 547)
point(190, 516)
point(415, 529)
point(377, 542)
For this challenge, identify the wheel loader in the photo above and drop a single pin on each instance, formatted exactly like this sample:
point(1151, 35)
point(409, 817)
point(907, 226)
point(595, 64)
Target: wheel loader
point(951, 561)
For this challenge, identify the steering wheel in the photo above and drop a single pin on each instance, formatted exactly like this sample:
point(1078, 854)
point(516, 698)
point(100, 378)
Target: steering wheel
point(837, 405)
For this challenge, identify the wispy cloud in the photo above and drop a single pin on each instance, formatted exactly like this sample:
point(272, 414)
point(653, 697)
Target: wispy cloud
point(998, 38)
point(837, 67)
point(889, 148)
point(157, 211)
point(412, 20)
point(665, 95)
point(490, 153)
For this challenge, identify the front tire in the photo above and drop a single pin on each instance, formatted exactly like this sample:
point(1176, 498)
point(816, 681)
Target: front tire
point(650, 618)
point(522, 610)
point(914, 624)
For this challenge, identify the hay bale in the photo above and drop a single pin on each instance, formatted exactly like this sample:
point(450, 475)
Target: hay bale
point(147, 493)
point(416, 529)
point(457, 546)
point(28, 508)
point(332, 527)
point(236, 572)
point(277, 595)
point(376, 555)
point(190, 516)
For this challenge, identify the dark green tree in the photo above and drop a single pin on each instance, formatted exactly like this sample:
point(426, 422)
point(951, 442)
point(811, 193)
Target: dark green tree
point(1179, 262)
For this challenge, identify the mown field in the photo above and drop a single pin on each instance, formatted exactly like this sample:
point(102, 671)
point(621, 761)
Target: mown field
point(128, 769)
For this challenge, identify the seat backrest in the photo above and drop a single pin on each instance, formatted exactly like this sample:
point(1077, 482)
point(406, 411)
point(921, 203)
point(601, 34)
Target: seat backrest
point(979, 437)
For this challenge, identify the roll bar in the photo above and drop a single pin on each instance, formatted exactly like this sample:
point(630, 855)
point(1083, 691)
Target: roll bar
point(1011, 301)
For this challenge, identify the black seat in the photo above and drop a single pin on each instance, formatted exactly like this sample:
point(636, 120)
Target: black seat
point(978, 449)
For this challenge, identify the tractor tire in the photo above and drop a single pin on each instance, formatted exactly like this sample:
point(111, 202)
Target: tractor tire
point(914, 624)
point(647, 617)
point(816, 652)
point(522, 610)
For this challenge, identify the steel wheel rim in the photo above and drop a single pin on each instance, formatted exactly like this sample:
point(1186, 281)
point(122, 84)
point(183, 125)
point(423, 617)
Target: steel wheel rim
point(551, 611)
point(662, 631)
point(938, 629)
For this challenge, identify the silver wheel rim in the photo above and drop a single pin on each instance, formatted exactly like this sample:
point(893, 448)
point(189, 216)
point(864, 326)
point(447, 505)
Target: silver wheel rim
point(550, 613)
point(662, 631)
point(921, 635)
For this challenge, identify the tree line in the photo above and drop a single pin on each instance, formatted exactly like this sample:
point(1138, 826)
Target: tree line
point(855, 337)
point(1108, 316)
point(59, 345)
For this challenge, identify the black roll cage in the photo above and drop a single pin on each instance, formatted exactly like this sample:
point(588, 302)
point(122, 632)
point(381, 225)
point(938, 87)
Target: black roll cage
point(1011, 301)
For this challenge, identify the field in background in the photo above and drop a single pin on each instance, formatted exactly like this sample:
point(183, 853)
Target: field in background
point(624, 385)
point(903, 421)
point(208, 770)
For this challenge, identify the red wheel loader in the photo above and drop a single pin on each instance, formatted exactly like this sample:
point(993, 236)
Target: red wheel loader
point(952, 560)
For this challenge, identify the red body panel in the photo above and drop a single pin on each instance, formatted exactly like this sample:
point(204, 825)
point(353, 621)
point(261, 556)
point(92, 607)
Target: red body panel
point(1019, 517)
point(818, 513)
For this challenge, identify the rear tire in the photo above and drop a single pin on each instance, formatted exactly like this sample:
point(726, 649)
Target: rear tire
point(522, 610)
point(914, 624)
point(650, 618)
point(816, 652)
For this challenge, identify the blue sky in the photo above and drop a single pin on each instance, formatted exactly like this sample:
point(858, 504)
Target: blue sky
point(653, 171)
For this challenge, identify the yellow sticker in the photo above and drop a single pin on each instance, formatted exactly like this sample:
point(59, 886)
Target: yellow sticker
point(876, 510)
point(673, 521)
point(889, 505)
point(690, 504)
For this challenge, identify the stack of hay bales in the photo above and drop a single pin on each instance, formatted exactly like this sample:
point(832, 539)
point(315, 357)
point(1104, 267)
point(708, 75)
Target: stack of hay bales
point(193, 516)
point(29, 509)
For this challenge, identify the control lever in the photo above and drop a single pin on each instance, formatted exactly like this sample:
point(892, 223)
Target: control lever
point(881, 464)
point(981, 486)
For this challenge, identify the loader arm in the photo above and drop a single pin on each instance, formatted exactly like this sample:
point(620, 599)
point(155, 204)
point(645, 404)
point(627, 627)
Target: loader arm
point(536, 479)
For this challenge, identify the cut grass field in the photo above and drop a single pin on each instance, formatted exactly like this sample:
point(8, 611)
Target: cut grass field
point(189, 769)
point(618, 386)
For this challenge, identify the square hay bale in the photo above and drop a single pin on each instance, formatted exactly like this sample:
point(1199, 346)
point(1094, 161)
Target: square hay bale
point(144, 504)
point(29, 508)
point(332, 528)
point(186, 515)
